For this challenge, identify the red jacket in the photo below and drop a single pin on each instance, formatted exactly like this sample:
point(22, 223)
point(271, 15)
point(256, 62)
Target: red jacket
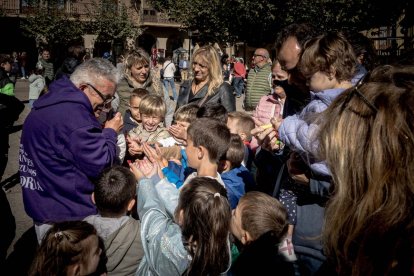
point(239, 70)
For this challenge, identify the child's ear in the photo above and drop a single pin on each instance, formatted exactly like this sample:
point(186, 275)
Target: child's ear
point(201, 152)
point(243, 136)
point(93, 198)
point(130, 205)
point(246, 237)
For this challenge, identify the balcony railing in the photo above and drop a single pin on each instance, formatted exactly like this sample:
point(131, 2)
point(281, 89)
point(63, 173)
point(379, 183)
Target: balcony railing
point(72, 9)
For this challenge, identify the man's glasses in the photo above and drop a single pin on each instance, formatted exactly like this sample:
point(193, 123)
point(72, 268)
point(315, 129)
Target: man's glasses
point(257, 55)
point(355, 91)
point(106, 99)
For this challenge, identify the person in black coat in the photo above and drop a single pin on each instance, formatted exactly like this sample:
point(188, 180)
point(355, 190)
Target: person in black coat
point(207, 84)
point(260, 223)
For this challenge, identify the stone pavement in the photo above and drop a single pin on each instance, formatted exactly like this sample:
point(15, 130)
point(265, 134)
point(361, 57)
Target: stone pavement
point(14, 195)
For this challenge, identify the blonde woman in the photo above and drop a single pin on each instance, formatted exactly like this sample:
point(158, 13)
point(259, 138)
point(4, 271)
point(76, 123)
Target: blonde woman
point(139, 74)
point(207, 84)
point(367, 139)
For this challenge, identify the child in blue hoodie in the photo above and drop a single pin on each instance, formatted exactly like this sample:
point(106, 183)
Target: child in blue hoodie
point(234, 175)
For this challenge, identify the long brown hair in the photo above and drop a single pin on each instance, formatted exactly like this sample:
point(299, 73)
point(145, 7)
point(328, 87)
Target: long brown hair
point(205, 226)
point(367, 139)
point(63, 245)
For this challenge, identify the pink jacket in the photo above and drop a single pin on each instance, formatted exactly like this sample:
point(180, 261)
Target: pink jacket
point(267, 108)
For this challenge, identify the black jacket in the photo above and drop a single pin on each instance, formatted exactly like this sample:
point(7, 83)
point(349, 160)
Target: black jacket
point(224, 95)
point(261, 257)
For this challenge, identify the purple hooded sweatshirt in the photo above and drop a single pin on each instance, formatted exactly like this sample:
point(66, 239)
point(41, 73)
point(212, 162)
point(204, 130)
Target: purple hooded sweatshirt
point(62, 148)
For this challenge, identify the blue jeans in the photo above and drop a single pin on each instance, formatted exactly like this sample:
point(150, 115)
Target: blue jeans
point(170, 81)
point(238, 84)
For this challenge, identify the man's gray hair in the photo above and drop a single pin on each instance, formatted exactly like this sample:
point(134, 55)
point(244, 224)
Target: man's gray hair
point(93, 69)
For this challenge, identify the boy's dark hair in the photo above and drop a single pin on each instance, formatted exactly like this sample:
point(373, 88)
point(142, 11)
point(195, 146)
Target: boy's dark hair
point(211, 134)
point(235, 153)
point(5, 58)
point(114, 190)
point(139, 93)
point(245, 123)
point(186, 113)
point(213, 110)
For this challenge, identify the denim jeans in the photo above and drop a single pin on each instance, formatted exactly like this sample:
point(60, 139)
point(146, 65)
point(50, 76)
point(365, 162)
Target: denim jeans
point(238, 85)
point(170, 82)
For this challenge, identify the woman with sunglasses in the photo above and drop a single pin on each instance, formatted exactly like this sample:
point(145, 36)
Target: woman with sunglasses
point(367, 140)
point(207, 85)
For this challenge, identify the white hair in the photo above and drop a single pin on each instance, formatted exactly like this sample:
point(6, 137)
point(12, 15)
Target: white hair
point(93, 69)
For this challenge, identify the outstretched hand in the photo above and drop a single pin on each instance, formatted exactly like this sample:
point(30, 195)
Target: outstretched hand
point(154, 155)
point(143, 169)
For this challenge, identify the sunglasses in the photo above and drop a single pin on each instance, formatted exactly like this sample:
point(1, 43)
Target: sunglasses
point(356, 92)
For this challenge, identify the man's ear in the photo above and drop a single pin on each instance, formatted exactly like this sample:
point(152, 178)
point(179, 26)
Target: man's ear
point(130, 205)
point(93, 198)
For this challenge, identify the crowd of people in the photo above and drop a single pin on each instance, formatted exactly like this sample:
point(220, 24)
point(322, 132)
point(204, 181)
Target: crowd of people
point(312, 177)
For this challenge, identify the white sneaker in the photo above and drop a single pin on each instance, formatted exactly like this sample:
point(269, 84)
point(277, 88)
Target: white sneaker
point(286, 249)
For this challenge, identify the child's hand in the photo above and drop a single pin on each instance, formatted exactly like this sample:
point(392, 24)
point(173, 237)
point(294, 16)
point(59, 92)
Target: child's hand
point(276, 122)
point(149, 169)
point(134, 145)
point(136, 171)
point(154, 155)
point(178, 132)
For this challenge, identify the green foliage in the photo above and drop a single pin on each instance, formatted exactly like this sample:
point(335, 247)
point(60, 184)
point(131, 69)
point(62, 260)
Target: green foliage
point(53, 25)
point(105, 19)
point(111, 22)
point(258, 21)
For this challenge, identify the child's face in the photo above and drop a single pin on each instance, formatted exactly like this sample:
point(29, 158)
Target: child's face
point(90, 265)
point(192, 154)
point(320, 81)
point(134, 108)
point(150, 122)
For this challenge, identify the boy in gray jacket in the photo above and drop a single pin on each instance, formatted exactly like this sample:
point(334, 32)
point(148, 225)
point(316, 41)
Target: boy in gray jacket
point(114, 197)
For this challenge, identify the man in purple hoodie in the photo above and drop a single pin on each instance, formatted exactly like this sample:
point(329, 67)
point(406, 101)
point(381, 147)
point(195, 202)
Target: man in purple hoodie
point(64, 147)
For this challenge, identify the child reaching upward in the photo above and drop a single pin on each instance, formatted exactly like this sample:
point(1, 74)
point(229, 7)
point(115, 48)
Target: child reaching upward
point(194, 240)
point(68, 248)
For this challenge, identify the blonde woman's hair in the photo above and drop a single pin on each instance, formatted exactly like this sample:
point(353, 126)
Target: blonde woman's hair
point(367, 139)
point(153, 105)
point(210, 57)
